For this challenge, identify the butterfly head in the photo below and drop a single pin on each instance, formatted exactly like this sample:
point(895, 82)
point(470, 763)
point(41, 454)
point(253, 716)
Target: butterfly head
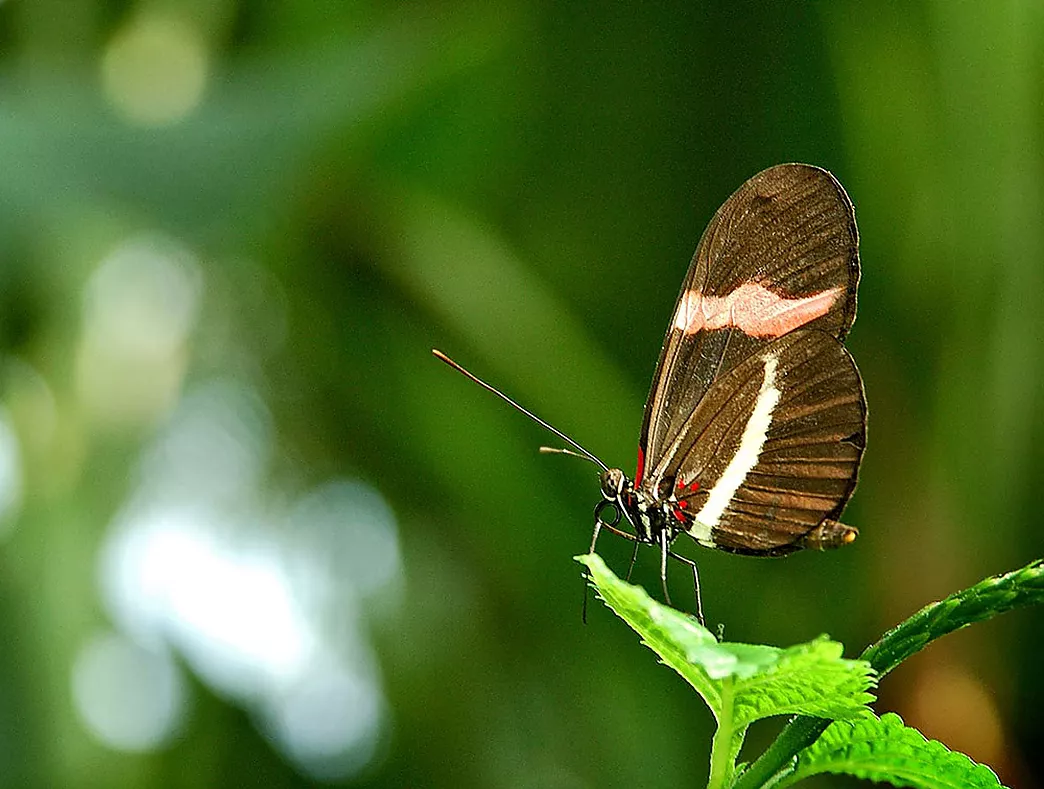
point(614, 484)
point(633, 503)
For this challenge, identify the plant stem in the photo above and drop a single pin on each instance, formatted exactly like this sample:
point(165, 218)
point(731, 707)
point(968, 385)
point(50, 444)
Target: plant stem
point(798, 734)
point(721, 746)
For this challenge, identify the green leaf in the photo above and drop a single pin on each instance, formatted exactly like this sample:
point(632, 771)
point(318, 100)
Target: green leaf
point(991, 597)
point(884, 749)
point(741, 683)
point(811, 679)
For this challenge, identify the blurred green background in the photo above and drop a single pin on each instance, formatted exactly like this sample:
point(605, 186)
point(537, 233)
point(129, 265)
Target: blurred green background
point(254, 535)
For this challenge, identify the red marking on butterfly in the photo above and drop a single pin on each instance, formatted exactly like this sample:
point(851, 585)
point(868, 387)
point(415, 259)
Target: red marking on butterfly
point(640, 470)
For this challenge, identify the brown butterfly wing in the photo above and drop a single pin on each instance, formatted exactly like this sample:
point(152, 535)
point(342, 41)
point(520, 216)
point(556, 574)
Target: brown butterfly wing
point(773, 448)
point(787, 234)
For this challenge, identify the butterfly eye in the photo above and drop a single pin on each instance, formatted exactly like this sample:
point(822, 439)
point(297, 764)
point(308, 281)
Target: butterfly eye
point(613, 483)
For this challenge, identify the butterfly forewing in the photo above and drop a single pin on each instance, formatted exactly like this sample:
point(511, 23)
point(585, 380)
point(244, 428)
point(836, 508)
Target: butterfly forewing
point(780, 254)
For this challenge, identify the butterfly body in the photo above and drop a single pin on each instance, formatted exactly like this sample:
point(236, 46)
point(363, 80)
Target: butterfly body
point(649, 511)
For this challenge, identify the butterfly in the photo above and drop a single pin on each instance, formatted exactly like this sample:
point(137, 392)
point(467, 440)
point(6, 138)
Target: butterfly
point(755, 423)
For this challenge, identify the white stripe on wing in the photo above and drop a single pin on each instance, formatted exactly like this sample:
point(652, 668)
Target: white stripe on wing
point(746, 457)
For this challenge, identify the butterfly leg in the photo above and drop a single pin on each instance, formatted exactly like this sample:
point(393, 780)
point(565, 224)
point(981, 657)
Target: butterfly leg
point(621, 507)
point(634, 558)
point(608, 525)
point(695, 583)
point(598, 524)
point(665, 548)
point(597, 528)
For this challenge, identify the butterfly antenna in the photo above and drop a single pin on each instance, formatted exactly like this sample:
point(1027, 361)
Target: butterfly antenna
point(582, 452)
point(571, 453)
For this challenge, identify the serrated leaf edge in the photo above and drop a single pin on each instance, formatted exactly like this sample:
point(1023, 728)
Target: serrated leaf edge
point(873, 732)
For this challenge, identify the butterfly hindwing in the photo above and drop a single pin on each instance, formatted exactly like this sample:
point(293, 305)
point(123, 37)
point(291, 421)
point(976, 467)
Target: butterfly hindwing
point(779, 255)
point(773, 448)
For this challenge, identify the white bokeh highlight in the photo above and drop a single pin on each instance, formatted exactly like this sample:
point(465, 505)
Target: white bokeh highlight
point(12, 477)
point(262, 594)
point(140, 306)
point(131, 698)
point(154, 70)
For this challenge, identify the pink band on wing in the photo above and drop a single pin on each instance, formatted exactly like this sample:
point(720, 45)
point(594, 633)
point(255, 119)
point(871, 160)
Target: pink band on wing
point(753, 309)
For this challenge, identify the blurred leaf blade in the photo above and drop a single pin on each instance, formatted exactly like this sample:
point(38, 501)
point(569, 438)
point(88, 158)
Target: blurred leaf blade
point(257, 128)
